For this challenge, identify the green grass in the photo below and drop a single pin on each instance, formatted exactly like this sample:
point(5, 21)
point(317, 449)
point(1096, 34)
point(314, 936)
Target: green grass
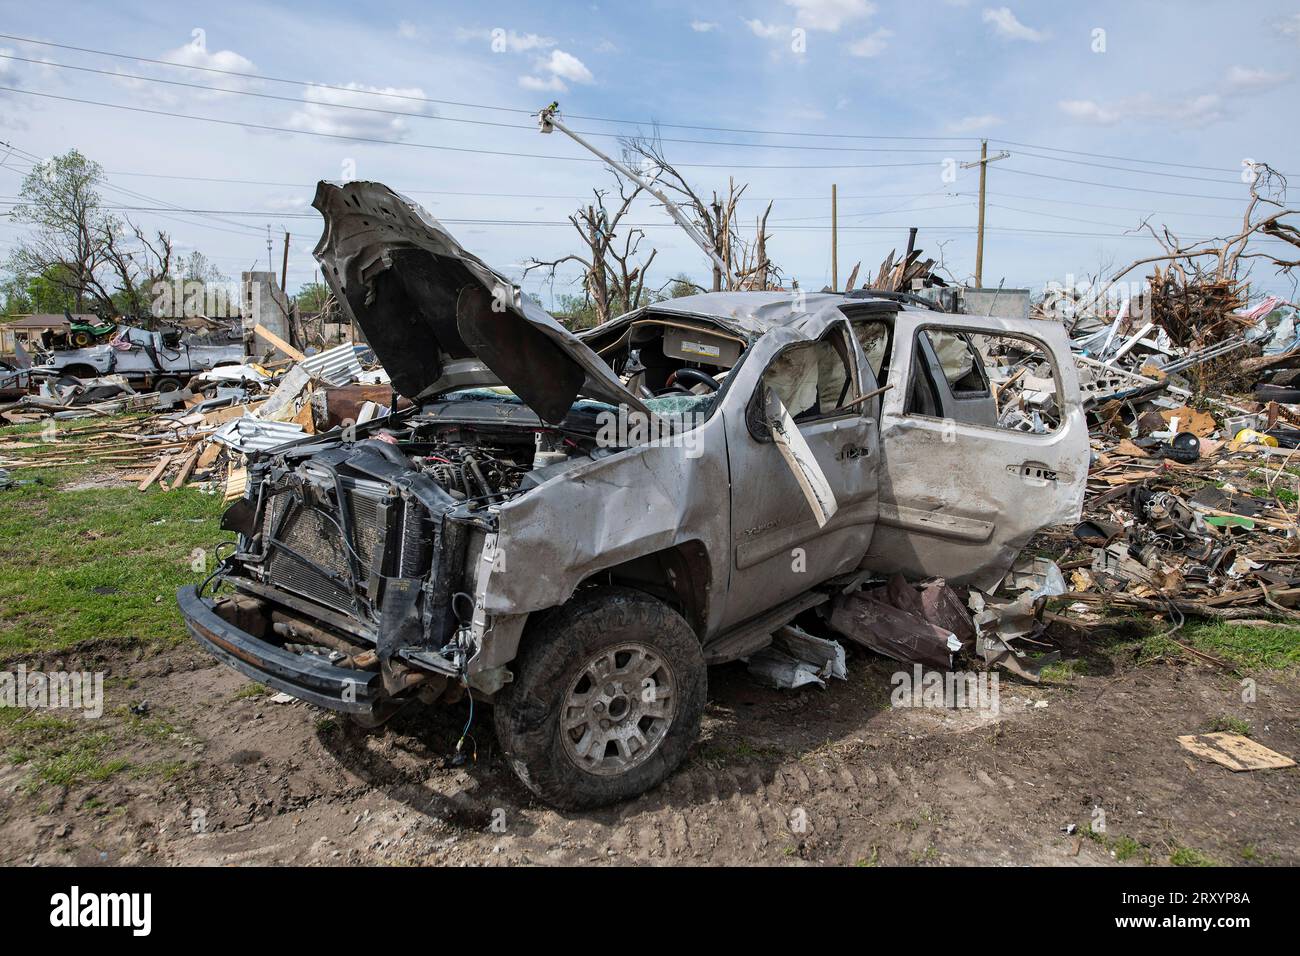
point(1226, 723)
point(1059, 672)
point(80, 568)
point(1187, 856)
point(251, 689)
point(1245, 646)
point(101, 564)
point(1126, 848)
point(1122, 847)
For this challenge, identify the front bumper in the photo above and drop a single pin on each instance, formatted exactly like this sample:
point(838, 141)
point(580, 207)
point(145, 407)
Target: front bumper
point(315, 681)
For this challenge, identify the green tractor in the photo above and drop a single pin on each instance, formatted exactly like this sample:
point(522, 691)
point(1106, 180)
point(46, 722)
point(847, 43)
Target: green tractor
point(82, 333)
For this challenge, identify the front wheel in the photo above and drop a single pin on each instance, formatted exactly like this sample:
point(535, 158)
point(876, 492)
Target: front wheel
point(606, 700)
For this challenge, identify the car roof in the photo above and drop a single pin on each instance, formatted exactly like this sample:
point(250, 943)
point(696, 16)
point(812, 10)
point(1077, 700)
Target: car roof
point(757, 312)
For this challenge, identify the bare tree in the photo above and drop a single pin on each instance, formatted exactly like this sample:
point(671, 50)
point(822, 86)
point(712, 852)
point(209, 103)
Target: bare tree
point(135, 264)
point(1219, 258)
point(747, 261)
point(613, 278)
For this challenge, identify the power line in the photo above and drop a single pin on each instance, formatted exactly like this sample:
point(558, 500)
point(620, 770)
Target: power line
point(297, 101)
point(476, 195)
point(599, 119)
point(480, 106)
point(409, 145)
point(1123, 159)
point(1094, 205)
point(1133, 189)
point(1124, 169)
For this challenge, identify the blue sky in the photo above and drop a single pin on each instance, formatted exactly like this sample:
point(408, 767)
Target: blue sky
point(1126, 86)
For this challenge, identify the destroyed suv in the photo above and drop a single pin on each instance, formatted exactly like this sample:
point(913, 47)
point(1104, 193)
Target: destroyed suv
point(573, 528)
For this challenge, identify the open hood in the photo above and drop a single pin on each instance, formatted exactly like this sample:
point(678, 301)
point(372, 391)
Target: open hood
point(440, 318)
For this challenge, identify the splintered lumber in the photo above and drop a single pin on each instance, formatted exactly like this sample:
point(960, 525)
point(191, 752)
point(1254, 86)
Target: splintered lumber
point(209, 454)
point(187, 466)
point(263, 332)
point(154, 475)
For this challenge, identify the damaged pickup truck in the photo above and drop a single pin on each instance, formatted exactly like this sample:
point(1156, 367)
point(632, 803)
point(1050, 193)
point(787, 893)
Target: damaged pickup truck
point(573, 528)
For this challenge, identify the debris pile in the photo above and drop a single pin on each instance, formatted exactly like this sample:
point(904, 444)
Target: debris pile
point(202, 433)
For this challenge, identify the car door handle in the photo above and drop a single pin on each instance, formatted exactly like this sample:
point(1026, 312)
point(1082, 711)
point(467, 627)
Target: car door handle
point(1033, 473)
point(851, 451)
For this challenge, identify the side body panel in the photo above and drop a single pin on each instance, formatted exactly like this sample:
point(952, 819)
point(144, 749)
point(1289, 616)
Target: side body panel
point(777, 548)
point(960, 500)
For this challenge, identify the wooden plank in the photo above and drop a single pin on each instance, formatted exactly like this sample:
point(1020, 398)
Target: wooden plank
point(187, 466)
point(154, 475)
point(1235, 752)
point(279, 343)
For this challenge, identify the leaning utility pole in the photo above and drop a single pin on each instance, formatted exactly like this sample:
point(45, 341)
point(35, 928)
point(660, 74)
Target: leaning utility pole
point(548, 122)
point(835, 242)
point(983, 164)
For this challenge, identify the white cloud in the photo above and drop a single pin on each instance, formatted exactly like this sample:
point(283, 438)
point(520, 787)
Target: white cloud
point(1193, 111)
point(197, 54)
point(320, 115)
point(1242, 79)
point(551, 84)
point(1087, 111)
point(501, 40)
point(703, 26)
point(830, 15)
point(409, 31)
point(568, 67)
point(761, 29)
point(1290, 26)
point(13, 73)
point(550, 73)
point(207, 63)
point(1006, 25)
point(973, 124)
point(872, 44)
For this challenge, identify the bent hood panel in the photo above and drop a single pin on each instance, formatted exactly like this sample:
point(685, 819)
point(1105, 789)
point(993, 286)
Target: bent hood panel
point(433, 312)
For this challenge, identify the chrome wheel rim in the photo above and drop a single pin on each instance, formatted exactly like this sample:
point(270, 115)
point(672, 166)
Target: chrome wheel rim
point(618, 710)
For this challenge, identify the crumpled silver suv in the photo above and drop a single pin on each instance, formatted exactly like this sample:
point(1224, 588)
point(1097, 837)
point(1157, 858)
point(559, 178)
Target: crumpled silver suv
point(573, 528)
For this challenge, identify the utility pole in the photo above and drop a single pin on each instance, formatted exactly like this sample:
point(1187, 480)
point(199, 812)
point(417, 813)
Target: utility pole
point(835, 241)
point(270, 266)
point(284, 270)
point(548, 121)
point(983, 164)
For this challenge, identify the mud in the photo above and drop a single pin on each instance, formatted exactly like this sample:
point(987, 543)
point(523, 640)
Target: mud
point(778, 777)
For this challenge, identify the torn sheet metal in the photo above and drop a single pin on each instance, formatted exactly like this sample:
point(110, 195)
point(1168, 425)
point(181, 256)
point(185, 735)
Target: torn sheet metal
point(895, 633)
point(1000, 620)
point(336, 366)
point(250, 434)
point(796, 658)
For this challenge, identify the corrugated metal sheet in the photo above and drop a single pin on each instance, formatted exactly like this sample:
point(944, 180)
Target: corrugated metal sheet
point(337, 366)
point(252, 434)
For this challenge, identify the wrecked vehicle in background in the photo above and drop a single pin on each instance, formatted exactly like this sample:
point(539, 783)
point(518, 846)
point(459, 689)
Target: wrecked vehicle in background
point(574, 528)
point(149, 361)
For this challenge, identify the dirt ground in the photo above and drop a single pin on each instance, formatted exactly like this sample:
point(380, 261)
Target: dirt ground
point(778, 777)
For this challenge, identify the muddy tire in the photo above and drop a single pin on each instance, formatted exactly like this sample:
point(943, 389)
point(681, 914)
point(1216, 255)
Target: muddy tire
point(167, 383)
point(606, 699)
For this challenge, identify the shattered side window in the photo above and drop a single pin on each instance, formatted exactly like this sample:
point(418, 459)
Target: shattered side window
point(873, 336)
point(811, 379)
point(1001, 381)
